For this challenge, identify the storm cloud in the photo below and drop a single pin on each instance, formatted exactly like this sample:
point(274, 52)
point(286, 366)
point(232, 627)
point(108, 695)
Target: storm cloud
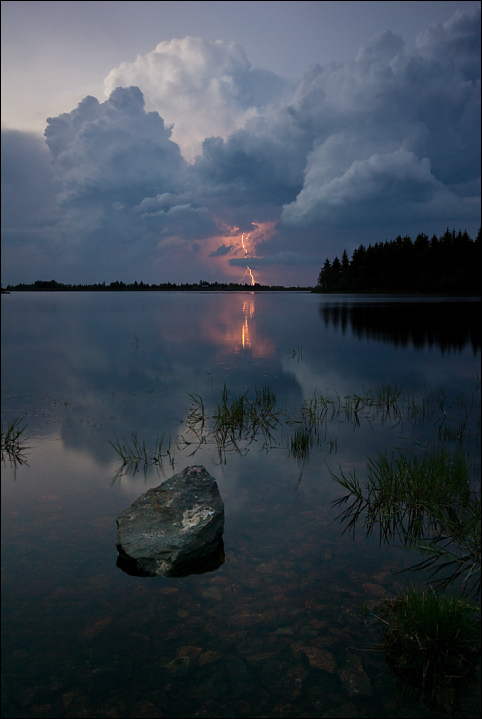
point(193, 147)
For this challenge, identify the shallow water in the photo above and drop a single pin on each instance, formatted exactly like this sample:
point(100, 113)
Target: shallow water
point(276, 630)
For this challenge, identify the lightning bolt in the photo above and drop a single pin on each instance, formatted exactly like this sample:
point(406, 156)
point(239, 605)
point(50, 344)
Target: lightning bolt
point(248, 270)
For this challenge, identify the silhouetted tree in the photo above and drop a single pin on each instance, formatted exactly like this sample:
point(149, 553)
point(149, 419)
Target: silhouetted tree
point(324, 278)
point(449, 263)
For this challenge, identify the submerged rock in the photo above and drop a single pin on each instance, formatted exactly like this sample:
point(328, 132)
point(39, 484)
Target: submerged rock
point(174, 529)
point(353, 678)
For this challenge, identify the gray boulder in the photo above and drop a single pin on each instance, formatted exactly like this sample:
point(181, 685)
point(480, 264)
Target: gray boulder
point(174, 529)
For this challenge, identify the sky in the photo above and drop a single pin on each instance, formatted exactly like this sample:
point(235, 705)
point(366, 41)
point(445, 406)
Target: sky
point(232, 141)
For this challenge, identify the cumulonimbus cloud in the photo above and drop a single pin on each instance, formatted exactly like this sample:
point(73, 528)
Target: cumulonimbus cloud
point(390, 137)
point(203, 88)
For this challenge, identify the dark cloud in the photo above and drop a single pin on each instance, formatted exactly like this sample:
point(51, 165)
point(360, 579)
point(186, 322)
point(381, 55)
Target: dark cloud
point(288, 258)
point(183, 221)
point(260, 166)
point(394, 132)
point(28, 187)
point(113, 151)
point(31, 221)
point(221, 251)
point(367, 148)
point(113, 161)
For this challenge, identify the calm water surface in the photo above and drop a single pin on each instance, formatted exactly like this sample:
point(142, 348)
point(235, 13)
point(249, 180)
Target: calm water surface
point(277, 629)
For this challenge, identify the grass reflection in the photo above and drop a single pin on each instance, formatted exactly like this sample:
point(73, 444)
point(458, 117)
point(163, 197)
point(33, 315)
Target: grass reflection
point(236, 421)
point(135, 455)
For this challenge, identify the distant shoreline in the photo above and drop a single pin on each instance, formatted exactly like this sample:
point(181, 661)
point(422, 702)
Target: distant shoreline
point(180, 288)
point(236, 288)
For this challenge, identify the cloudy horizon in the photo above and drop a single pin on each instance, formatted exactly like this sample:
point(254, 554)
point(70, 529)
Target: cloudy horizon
point(195, 164)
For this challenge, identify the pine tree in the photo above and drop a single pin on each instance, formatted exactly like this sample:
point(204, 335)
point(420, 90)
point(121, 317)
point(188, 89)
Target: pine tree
point(324, 278)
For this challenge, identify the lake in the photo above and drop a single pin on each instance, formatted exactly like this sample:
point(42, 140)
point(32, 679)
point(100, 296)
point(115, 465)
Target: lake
point(277, 630)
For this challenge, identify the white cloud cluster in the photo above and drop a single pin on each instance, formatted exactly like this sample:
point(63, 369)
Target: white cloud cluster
point(203, 88)
point(388, 139)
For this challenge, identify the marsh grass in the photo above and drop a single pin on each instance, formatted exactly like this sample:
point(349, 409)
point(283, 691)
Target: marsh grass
point(297, 353)
point(455, 548)
point(402, 491)
point(388, 397)
point(426, 502)
point(388, 402)
point(234, 424)
point(431, 642)
point(13, 448)
point(301, 443)
point(232, 416)
point(237, 421)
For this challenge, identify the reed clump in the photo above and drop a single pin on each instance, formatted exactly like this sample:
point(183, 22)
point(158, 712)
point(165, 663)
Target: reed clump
point(455, 548)
point(301, 443)
point(403, 493)
point(431, 642)
point(13, 447)
point(234, 424)
point(427, 502)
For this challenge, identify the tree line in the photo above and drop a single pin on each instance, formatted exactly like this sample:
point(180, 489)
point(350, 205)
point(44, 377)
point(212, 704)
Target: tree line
point(119, 286)
point(446, 264)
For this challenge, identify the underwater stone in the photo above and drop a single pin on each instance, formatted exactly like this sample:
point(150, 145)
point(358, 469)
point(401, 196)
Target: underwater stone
point(353, 678)
point(175, 528)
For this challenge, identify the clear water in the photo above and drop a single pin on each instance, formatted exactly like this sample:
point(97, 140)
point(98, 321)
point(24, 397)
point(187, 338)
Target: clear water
point(277, 629)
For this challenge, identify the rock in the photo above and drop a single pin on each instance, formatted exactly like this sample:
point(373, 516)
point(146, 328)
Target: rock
point(376, 590)
point(320, 659)
point(353, 678)
point(178, 666)
point(208, 658)
point(174, 529)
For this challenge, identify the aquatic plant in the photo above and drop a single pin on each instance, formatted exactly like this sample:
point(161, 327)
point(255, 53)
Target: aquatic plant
point(12, 446)
point(425, 501)
point(431, 642)
point(388, 397)
point(455, 548)
point(235, 422)
point(238, 420)
point(297, 353)
point(388, 403)
point(301, 443)
point(231, 416)
point(402, 491)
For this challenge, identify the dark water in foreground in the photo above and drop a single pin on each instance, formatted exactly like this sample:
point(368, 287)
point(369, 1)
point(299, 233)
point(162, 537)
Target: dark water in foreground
point(276, 630)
